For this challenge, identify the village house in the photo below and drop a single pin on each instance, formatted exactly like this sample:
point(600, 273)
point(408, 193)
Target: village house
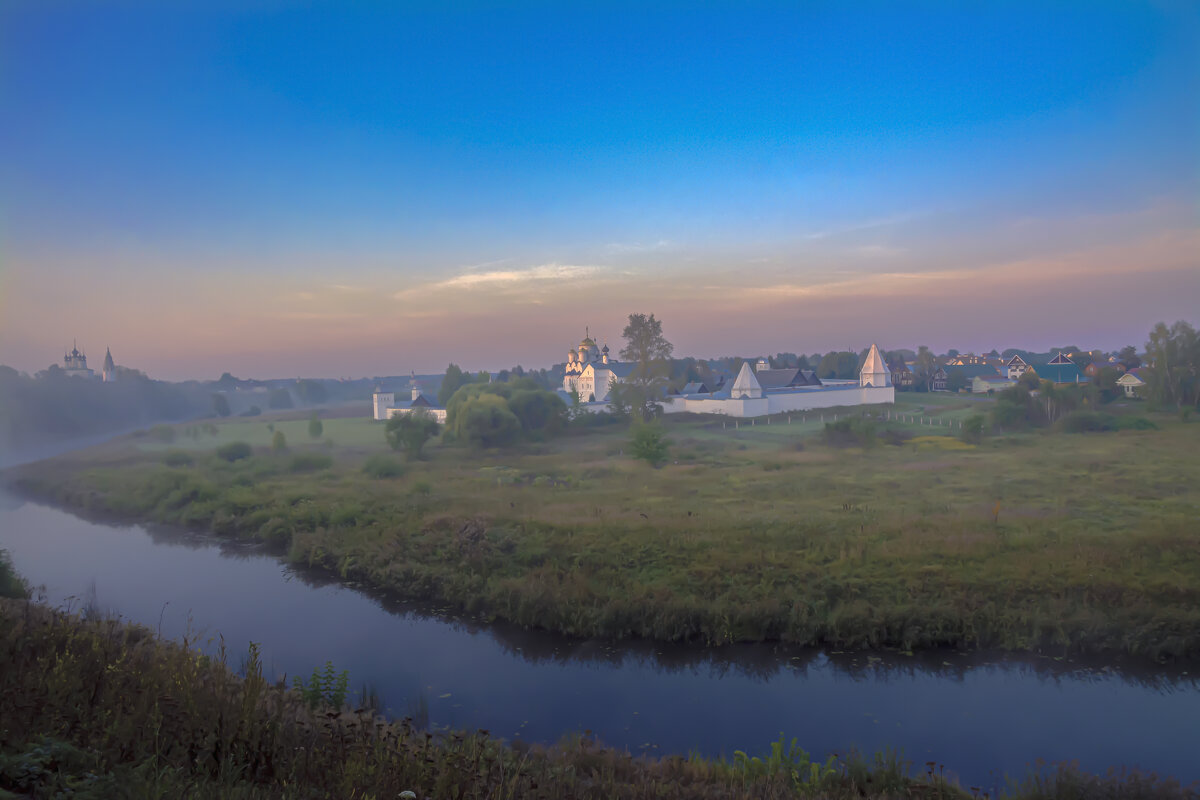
point(1060, 371)
point(1132, 383)
point(982, 384)
point(1016, 367)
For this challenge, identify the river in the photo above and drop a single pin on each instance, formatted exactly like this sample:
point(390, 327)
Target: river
point(981, 716)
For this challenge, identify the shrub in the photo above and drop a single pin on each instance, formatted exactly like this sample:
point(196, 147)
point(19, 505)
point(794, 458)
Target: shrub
point(315, 427)
point(850, 432)
point(1087, 422)
point(649, 443)
point(252, 411)
point(381, 466)
point(11, 584)
point(178, 458)
point(409, 432)
point(234, 451)
point(163, 433)
point(310, 462)
point(972, 429)
point(278, 442)
point(1132, 422)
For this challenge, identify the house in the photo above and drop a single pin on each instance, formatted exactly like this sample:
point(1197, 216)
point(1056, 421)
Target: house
point(695, 387)
point(1058, 372)
point(385, 406)
point(982, 384)
point(1016, 367)
point(902, 376)
point(962, 376)
point(939, 379)
point(1131, 383)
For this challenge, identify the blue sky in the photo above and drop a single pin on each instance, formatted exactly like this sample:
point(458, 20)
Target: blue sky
point(369, 189)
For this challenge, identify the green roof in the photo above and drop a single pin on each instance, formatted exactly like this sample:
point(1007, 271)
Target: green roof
point(1060, 373)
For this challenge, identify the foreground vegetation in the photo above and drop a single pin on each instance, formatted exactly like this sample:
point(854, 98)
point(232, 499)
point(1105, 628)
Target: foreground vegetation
point(91, 708)
point(1033, 540)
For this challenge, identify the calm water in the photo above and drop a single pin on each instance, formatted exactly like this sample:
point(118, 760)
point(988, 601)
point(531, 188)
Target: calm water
point(981, 719)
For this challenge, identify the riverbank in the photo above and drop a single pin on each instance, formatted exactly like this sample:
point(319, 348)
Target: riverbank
point(1069, 542)
point(107, 708)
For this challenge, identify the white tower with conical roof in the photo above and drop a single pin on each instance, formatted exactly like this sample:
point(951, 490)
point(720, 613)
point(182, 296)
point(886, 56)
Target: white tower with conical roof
point(746, 385)
point(874, 372)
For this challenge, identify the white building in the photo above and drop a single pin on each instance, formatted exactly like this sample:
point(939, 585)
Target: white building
point(75, 364)
point(590, 371)
point(109, 373)
point(747, 397)
point(384, 404)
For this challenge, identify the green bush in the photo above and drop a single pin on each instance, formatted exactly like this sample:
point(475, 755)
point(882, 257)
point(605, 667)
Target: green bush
point(234, 451)
point(1132, 422)
point(278, 442)
point(315, 427)
point(381, 466)
point(649, 443)
point(1087, 422)
point(972, 429)
point(178, 458)
point(163, 433)
point(850, 432)
point(310, 462)
point(11, 584)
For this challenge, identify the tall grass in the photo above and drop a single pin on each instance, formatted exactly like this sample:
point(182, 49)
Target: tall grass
point(99, 709)
point(1025, 542)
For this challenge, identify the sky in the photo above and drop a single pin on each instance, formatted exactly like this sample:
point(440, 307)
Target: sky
point(347, 190)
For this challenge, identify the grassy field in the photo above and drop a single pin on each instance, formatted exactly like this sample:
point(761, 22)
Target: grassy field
point(91, 708)
point(754, 533)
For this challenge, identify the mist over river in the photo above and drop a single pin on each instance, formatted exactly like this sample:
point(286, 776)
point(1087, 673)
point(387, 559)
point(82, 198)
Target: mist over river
point(980, 715)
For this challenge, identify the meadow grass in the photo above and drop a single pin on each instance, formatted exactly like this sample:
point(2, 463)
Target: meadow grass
point(93, 708)
point(1031, 541)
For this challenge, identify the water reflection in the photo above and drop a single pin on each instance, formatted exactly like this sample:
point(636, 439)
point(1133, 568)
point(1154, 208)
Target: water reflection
point(979, 712)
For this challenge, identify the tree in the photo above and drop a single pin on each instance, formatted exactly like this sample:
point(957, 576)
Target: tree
point(649, 443)
point(409, 432)
point(279, 442)
point(486, 421)
point(220, 405)
point(538, 411)
point(1129, 357)
point(315, 428)
point(956, 380)
point(453, 379)
point(279, 398)
point(311, 392)
point(650, 353)
point(926, 366)
point(1029, 380)
point(1173, 355)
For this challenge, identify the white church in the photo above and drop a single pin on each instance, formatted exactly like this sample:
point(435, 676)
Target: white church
point(590, 372)
point(384, 404)
point(755, 392)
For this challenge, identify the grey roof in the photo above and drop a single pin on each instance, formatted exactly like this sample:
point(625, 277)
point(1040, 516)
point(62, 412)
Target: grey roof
point(783, 378)
point(695, 387)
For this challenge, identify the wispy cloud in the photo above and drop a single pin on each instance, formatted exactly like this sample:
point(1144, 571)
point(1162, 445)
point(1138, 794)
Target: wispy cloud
point(542, 274)
point(618, 248)
point(865, 225)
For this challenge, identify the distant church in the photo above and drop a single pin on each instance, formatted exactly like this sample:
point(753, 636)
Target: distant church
point(75, 365)
point(590, 371)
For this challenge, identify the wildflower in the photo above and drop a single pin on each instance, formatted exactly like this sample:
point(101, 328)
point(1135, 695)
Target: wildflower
point(408, 794)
